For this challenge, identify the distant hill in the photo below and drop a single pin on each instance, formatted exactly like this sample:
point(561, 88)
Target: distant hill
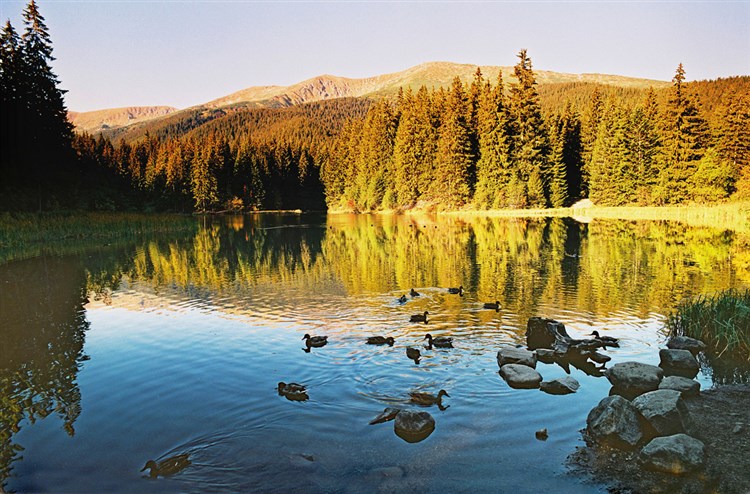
point(98, 120)
point(323, 87)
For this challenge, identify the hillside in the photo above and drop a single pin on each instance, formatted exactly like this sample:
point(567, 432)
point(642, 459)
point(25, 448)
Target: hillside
point(323, 87)
point(94, 121)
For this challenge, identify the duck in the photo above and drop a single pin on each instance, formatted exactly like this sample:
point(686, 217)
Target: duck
point(292, 391)
point(380, 340)
point(419, 317)
point(413, 354)
point(492, 305)
point(414, 293)
point(456, 291)
point(402, 299)
point(439, 342)
point(428, 399)
point(315, 341)
point(168, 466)
point(607, 340)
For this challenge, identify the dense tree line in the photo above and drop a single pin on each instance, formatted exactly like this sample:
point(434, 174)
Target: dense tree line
point(484, 144)
point(488, 146)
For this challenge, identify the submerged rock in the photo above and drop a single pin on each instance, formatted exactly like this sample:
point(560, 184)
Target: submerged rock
point(561, 386)
point(678, 363)
point(635, 377)
point(515, 355)
point(686, 343)
point(386, 415)
point(665, 411)
point(686, 387)
point(615, 422)
point(413, 426)
point(546, 355)
point(676, 454)
point(520, 376)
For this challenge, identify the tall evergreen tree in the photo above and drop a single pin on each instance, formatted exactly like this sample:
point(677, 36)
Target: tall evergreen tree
point(493, 168)
point(529, 134)
point(589, 133)
point(733, 139)
point(453, 159)
point(642, 143)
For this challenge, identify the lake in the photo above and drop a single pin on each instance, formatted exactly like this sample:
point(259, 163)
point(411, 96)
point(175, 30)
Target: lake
point(115, 354)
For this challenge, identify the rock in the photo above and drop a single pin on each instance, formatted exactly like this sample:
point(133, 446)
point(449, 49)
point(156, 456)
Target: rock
point(665, 411)
point(514, 355)
point(615, 422)
point(676, 454)
point(737, 428)
point(634, 377)
point(520, 376)
point(541, 434)
point(545, 355)
point(686, 343)
point(543, 333)
point(561, 386)
point(413, 426)
point(678, 363)
point(686, 387)
point(599, 358)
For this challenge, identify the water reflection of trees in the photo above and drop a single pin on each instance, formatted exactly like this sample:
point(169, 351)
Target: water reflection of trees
point(43, 326)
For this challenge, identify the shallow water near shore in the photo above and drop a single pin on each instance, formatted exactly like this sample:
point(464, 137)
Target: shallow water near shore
point(115, 355)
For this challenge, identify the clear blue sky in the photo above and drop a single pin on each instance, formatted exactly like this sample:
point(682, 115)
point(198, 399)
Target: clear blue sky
point(182, 53)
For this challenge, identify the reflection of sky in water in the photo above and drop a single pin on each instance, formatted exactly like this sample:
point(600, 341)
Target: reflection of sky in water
point(188, 344)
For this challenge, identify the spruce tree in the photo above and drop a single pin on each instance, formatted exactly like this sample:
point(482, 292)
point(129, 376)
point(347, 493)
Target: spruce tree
point(642, 143)
point(733, 139)
point(529, 134)
point(453, 159)
point(493, 168)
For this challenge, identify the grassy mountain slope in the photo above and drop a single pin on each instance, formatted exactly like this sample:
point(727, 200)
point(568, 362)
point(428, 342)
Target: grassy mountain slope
point(94, 121)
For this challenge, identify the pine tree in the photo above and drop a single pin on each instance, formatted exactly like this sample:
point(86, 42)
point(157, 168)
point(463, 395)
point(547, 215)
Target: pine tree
point(590, 131)
point(686, 138)
point(558, 186)
point(572, 152)
point(733, 139)
point(11, 103)
point(493, 168)
point(453, 160)
point(642, 143)
point(607, 181)
point(531, 142)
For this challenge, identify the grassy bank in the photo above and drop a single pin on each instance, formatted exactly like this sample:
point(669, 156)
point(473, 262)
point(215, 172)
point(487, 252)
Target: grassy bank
point(27, 234)
point(722, 321)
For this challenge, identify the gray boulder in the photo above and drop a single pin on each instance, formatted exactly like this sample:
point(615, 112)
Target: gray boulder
point(561, 386)
point(686, 387)
point(665, 411)
point(634, 377)
point(678, 363)
point(615, 422)
point(413, 426)
point(520, 376)
point(515, 355)
point(686, 343)
point(545, 355)
point(676, 454)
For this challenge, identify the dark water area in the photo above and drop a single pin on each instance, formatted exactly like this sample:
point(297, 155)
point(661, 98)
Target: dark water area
point(112, 356)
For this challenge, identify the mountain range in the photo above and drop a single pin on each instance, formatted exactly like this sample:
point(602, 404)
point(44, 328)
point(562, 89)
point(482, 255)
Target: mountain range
point(323, 87)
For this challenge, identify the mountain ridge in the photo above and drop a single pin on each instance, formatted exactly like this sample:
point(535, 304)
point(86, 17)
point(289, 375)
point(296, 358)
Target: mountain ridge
point(327, 86)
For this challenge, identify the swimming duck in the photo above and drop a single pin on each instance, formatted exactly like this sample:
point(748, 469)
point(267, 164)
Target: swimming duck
point(494, 306)
point(456, 291)
point(413, 354)
point(380, 340)
point(439, 342)
point(293, 391)
point(419, 317)
point(607, 340)
point(414, 293)
point(168, 466)
point(315, 341)
point(402, 299)
point(428, 399)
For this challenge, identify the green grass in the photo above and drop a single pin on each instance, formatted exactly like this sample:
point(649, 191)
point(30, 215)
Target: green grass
point(722, 321)
point(24, 235)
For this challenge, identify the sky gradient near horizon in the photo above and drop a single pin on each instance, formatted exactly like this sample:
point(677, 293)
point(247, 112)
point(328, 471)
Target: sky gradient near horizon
point(181, 53)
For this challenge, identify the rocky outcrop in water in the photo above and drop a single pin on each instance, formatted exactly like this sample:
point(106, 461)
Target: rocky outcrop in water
point(515, 355)
point(615, 422)
point(634, 378)
point(520, 376)
point(686, 387)
point(678, 363)
point(665, 411)
point(413, 426)
point(686, 343)
point(561, 386)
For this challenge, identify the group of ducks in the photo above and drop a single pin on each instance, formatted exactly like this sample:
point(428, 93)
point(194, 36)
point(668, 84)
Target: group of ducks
point(298, 392)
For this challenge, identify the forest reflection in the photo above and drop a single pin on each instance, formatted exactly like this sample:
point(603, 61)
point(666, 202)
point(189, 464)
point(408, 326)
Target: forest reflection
point(595, 268)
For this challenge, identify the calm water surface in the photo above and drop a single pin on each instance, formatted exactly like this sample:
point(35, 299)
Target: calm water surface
point(114, 355)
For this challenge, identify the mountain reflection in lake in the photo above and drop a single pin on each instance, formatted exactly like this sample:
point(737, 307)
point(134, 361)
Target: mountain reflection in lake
point(114, 356)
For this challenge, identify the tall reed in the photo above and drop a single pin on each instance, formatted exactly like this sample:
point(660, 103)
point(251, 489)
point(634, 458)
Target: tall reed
point(721, 320)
